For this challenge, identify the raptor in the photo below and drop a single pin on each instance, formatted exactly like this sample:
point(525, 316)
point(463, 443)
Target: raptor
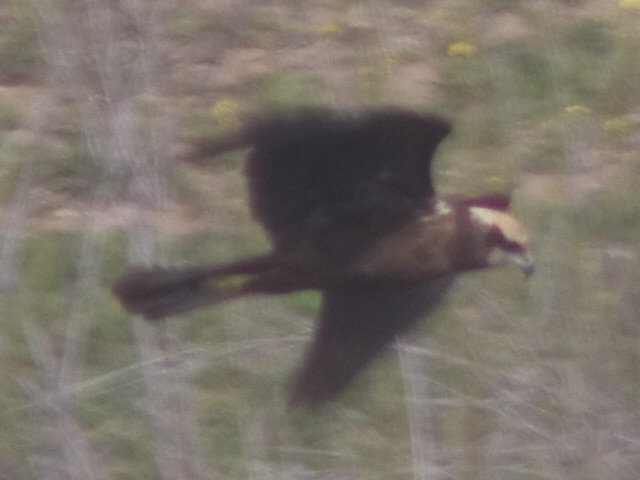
point(348, 202)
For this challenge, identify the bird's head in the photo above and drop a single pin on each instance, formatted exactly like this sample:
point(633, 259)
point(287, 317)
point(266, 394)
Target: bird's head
point(505, 238)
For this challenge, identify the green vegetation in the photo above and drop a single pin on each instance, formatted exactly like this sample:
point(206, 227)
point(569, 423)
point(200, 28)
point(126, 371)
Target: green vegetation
point(20, 56)
point(509, 380)
point(9, 116)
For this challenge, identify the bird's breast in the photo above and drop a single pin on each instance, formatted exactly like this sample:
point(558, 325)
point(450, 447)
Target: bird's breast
point(418, 251)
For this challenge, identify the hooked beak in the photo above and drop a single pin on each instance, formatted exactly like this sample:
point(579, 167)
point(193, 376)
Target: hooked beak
point(524, 260)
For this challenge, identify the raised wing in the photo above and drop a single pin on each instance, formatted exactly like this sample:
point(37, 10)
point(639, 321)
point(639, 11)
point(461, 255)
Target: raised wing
point(354, 327)
point(314, 170)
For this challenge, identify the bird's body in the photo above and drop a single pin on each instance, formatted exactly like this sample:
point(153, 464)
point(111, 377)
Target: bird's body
point(348, 203)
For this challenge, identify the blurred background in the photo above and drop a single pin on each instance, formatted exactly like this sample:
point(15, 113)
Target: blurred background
point(510, 380)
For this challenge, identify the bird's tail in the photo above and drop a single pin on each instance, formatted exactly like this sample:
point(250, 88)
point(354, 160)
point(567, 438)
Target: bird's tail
point(158, 292)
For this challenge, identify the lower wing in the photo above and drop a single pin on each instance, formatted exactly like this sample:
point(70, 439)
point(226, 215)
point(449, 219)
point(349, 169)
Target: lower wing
point(354, 327)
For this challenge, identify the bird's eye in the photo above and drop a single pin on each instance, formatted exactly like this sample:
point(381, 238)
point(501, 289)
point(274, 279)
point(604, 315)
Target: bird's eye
point(498, 238)
point(513, 247)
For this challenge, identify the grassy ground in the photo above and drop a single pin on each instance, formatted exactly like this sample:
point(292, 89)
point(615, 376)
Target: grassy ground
point(515, 380)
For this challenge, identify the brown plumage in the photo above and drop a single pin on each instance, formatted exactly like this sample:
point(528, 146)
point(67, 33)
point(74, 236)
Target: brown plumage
point(349, 205)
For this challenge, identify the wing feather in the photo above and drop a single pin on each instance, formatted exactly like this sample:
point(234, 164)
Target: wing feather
point(354, 327)
point(314, 169)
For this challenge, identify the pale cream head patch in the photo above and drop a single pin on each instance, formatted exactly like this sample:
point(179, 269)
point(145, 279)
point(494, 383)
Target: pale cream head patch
point(513, 230)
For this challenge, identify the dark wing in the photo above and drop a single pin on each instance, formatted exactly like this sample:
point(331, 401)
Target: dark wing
point(354, 327)
point(315, 169)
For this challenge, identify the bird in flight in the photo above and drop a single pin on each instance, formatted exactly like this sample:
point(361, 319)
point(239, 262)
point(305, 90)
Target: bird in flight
point(348, 202)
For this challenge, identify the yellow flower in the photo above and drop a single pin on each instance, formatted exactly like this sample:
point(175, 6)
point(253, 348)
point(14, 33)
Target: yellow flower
point(629, 4)
point(461, 49)
point(616, 125)
point(331, 28)
point(577, 109)
point(496, 181)
point(226, 112)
